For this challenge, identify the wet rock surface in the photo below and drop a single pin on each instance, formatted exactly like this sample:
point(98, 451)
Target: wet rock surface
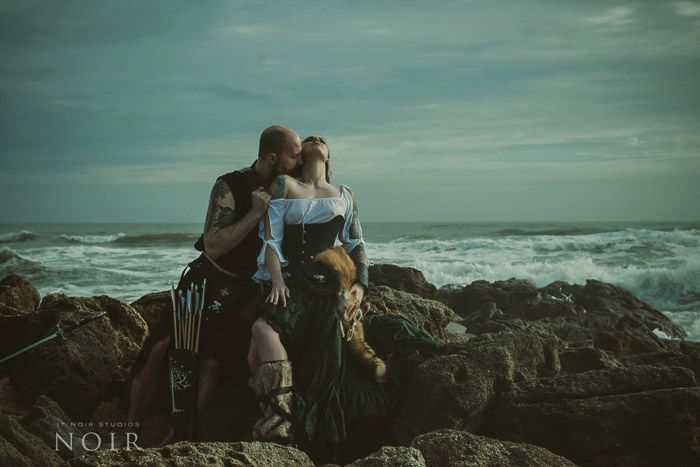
point(559, 375)
point(402, 278)
point(391, 455)
point(455, 448)
point(429, 315)
point(80, 370)
point(185, 453)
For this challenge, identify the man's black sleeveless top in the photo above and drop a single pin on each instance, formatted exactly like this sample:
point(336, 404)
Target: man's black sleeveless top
point(242, 259)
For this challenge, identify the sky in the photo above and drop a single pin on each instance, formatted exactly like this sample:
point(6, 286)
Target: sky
point(127, 111)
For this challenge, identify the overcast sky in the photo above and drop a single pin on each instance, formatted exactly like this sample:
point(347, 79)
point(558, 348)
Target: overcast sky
point(127, 111)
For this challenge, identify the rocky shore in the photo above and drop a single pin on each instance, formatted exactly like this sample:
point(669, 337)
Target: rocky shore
point(559, 375)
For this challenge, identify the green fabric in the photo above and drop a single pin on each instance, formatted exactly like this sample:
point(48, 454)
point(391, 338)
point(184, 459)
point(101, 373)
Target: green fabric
point(331, 392)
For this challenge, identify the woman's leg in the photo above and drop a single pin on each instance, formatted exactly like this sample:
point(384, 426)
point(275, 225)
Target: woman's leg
point(272, 382)
point(267, 344)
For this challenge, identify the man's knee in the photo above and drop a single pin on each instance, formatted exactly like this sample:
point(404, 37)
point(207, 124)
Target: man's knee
point(262, 330)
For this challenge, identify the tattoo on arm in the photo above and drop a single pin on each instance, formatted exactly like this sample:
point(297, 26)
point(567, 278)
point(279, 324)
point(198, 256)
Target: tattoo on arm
point(278, 187)
point(219, 216)
point(224, 217)
point(358, 254)
point(355, 227)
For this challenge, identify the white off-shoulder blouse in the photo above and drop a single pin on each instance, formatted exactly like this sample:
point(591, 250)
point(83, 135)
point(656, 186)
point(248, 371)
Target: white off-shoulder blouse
point(283, 211)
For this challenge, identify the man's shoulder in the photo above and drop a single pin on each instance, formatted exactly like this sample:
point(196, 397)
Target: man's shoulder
point(237, 176)
point(237, 173)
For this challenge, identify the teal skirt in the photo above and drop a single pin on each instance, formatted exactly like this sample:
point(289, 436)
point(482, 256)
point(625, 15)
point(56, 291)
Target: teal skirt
point(334, 400)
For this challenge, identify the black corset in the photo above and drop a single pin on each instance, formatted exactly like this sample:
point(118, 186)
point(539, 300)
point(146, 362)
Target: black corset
point(302, 241)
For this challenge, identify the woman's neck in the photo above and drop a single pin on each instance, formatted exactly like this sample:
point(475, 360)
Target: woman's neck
point(314, 173)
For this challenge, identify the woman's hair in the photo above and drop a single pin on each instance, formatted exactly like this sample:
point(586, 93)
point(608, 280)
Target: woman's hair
point(321, 139)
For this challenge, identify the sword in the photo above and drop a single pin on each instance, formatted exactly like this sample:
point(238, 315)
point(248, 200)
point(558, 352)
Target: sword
point(58, 333)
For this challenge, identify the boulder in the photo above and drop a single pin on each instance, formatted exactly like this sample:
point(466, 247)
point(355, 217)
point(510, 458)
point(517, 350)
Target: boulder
point(185, 454)
point(506, 295)
point(11, 457)
point(430, 315)
point(679, 353)
point(17, 298)
point(79, 370)
point(17, 295)
point(153, 308)
point(657, 427)
point(580, 359)
point(596, 315)
point(31, 450)
point(47, 421)
point(597, 383)
point(455, 448)
point(389, 456)
point(402, 278)
point(456, 389)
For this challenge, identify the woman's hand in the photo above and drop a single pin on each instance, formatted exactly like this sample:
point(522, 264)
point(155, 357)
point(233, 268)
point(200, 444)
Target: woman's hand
point(358, 290)
point(279, 292)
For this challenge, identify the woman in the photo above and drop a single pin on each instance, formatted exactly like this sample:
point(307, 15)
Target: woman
point(300, 325)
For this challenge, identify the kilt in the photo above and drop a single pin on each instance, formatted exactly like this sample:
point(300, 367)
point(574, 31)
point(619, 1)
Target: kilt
point(225, 331)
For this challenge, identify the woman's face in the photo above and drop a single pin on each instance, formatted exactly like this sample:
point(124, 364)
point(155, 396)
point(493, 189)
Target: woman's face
point(314, 146)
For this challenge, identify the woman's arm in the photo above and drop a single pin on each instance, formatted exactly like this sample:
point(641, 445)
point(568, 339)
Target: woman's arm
point(354, 244)
point(279, 291)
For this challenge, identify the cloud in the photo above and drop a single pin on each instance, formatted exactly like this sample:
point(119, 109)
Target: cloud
point(686, 8)
point(618, 16)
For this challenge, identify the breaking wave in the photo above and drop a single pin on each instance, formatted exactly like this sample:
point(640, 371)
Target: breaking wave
point(14, 237)
point(134, 240)
point(92, 239)
point(8, 254)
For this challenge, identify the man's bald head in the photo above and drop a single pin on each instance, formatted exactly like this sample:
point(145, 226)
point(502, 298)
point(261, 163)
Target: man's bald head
point(276, 139)
point(279, 152)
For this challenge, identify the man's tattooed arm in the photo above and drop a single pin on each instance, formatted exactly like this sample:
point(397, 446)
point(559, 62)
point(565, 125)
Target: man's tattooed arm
point(222, 230)
point(220, 214)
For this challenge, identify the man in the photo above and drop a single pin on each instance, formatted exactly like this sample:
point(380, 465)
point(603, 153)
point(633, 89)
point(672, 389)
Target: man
point(230, 246)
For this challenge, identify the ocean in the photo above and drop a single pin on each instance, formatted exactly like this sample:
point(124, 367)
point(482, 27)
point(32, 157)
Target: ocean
point(657, 262)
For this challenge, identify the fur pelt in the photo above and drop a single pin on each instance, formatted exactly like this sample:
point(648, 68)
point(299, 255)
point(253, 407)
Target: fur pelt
point(343, 267)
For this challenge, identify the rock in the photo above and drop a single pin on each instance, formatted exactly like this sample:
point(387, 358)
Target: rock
point(430, 315)
point(456, 389)
point(11, 457)
point(390, 456)
point(596, 315)
point(47, 420)
point(649, 428)
point(9, 400)
point(13, 330)
point(17, 295)
point(31, 449)
point(402, 278)
point(680, 353)
point(77, 372)
point(597, 383)
point(580, 359)
point(455, 448)
point(17, 298)
point(506, 295)
point(185, 453)
point(152, 308)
